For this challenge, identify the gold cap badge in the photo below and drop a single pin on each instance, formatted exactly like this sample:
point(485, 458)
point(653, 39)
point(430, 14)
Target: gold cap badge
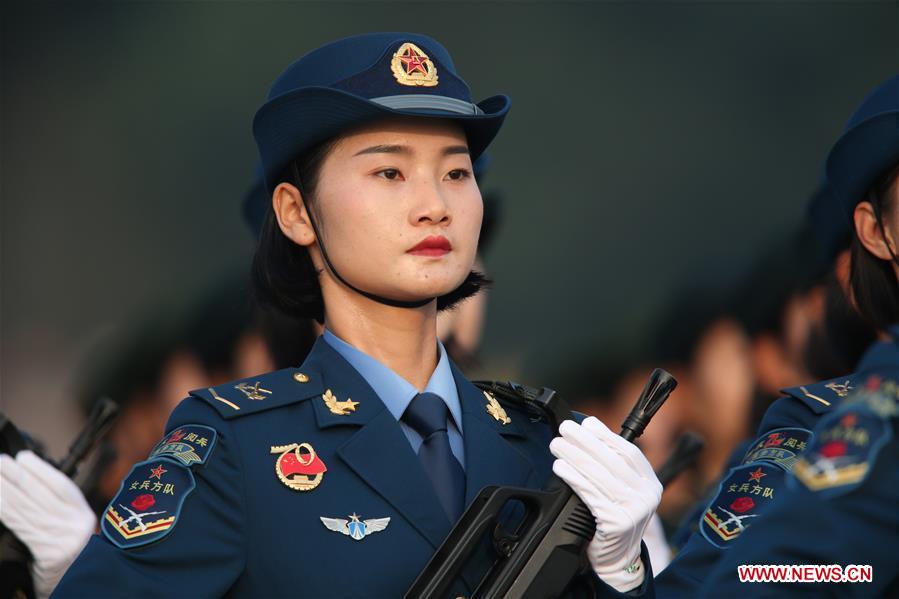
point(411, 66)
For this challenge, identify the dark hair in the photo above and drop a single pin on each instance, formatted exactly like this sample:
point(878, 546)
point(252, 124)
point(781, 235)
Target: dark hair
point(283, 274)
point(873, 280)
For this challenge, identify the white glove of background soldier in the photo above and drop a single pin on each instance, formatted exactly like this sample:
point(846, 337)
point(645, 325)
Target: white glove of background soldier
point(614, 480)
point(47, 512)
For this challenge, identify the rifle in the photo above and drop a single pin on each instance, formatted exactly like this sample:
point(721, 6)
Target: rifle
point(547, 548)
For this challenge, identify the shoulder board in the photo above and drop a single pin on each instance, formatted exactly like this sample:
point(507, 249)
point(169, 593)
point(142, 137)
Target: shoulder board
point(826, 395)
point(260, 393)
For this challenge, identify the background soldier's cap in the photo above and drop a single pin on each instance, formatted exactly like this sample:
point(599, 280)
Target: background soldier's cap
point(359, 79)
point(868, 146)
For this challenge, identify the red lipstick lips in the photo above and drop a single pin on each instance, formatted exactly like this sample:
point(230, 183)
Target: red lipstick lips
point(435, 246)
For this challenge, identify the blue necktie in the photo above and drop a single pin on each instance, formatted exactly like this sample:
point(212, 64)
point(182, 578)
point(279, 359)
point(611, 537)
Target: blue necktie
point(427, 414)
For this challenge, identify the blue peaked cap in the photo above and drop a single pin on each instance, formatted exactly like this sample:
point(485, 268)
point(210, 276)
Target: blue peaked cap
point(868, 147)
point(359, 79)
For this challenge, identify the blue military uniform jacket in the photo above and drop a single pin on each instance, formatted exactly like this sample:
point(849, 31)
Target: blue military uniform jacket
point(757, 477)
point(840, 506)
point(281, 452)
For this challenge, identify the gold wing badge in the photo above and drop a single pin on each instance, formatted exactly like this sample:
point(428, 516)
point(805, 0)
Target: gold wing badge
point(341, 408)
point(495, 409)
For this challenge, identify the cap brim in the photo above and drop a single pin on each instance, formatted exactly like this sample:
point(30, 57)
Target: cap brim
point(295, 122)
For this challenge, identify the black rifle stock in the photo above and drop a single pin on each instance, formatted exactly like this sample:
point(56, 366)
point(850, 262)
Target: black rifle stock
point(546, 551)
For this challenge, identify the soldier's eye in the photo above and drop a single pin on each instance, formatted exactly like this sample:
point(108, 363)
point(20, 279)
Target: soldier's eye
point(389, 173)
point(458, 174)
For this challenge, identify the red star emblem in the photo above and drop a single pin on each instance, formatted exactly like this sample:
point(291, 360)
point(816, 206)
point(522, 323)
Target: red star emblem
point(757, 475)
point(177, 436)
point(413, 61)
point(157, 472)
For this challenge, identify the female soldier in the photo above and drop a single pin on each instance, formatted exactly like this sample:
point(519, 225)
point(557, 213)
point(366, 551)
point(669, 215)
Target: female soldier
point(862, 171)
point(848, 479)
point(342, 477)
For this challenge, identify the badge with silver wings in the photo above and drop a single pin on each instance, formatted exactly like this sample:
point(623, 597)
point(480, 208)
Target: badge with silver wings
point(355, 528)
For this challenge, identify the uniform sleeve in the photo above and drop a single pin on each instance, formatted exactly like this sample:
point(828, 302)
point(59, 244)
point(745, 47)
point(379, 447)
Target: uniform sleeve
point(202, 553)
point(686, 573)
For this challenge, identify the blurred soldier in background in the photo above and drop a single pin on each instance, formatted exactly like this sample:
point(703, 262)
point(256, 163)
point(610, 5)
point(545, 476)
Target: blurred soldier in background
point(840, 506)
point(754, 482)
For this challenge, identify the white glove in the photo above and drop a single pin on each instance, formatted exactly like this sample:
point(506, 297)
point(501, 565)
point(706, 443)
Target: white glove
point(657, 545)
point(47, 511)
point(615, 481)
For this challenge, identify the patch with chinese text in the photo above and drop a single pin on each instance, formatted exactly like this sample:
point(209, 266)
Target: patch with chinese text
point(781, 446)
point(148, 503)
point(189, 444)
point(743, 495)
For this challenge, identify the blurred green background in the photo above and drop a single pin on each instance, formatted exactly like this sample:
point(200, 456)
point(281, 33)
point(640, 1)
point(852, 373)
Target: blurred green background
point(648, 143)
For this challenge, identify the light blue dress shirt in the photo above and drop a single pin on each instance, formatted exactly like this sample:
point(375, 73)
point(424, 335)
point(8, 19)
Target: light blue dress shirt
point(396, 392)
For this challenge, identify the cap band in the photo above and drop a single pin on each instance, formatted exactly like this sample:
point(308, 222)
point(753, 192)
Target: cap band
point(428, 102)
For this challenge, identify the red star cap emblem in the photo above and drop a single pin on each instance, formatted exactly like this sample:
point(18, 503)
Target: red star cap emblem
point(757, 475)
point(157, 472)
point(413, 61)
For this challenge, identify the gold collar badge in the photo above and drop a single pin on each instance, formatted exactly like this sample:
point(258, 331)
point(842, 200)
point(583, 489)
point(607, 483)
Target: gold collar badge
point(341, 408)
point(495, 409)
point(299, 471)
point(411, 66)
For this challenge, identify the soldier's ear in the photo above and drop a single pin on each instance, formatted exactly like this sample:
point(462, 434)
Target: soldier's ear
point(292, 215)
point(870, 233)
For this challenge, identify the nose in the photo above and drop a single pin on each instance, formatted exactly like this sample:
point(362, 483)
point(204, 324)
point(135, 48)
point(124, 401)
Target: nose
point(431, 206)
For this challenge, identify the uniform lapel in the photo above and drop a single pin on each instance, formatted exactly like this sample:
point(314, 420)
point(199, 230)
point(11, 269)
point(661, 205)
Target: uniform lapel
point(379, 452)
point(489, 458)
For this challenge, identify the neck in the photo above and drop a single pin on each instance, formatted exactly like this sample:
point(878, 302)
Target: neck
point(403, 339)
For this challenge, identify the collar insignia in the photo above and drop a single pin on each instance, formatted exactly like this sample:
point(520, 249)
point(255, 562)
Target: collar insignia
point(411, 66)
point(341, 408)
point(495, 409)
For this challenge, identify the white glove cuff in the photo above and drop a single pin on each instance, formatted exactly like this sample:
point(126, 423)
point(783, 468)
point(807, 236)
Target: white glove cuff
point(625, 578)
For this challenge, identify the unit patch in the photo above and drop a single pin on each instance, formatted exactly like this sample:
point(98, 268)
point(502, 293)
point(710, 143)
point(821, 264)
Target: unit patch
point(189, 444)
point(781, 446)
point(841, 456)
point(148, 503)
point(744, 494)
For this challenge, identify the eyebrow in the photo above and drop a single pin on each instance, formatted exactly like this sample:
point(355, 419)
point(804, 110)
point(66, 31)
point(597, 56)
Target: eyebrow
point(398, 149)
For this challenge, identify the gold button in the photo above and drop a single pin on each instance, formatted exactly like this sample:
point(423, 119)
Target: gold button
point(300, 377)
